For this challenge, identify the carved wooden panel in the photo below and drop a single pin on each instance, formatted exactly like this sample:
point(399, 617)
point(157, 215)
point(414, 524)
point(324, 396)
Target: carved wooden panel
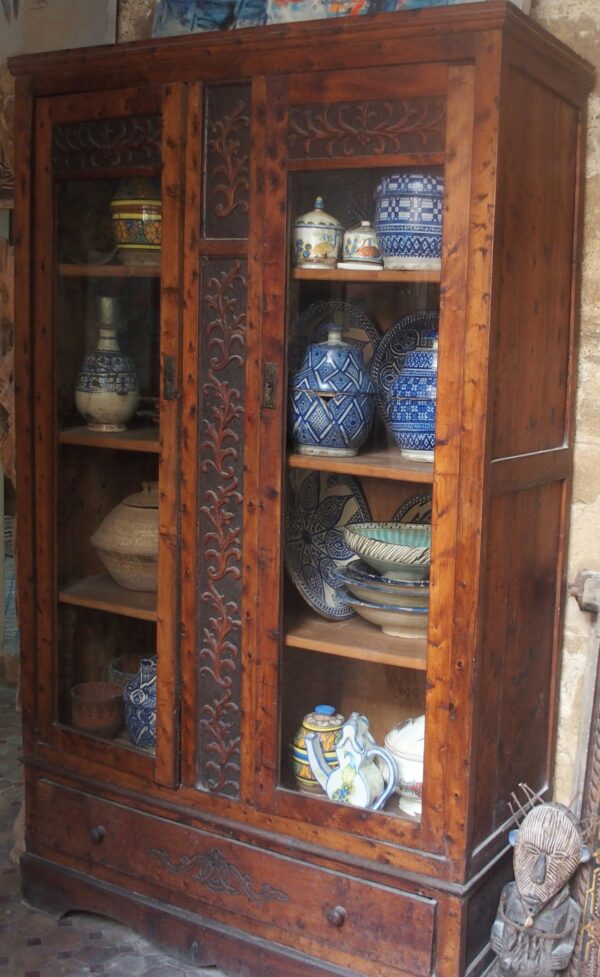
point(369, 128)
point(220, 523)
point(97, 144)
point(212, 870)
point(227, 140)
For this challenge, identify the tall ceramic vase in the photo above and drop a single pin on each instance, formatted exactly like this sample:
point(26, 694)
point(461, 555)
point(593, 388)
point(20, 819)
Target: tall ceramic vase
point(107, 393)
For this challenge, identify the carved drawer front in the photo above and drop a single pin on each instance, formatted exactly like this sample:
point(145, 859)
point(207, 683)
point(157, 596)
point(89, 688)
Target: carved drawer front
point(360, 925)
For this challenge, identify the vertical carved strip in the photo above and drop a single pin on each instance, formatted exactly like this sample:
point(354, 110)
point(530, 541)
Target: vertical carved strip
point(227, 137)
point(220, 523)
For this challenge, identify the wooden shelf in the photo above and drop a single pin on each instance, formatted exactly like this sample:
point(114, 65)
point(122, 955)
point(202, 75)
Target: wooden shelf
point(365, 275)
point(109, 271)
point(385, 463)
point(134, 439)
point(101, 593)
point(354, 638)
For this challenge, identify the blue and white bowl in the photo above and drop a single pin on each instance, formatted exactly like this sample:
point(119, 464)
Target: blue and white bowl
point(332, 399)
point(139, 698)
point(409, 208)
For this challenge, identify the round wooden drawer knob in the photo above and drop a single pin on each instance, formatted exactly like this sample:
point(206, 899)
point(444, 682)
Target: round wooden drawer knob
point(97, 834)
point(336, 916)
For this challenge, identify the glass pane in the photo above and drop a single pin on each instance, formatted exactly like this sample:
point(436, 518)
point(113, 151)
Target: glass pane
point(106, 369)
point(362, 329)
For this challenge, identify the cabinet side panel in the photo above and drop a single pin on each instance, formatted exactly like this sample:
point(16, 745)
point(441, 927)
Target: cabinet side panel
point(517, 651)
point(222, 353)
point(536, 217)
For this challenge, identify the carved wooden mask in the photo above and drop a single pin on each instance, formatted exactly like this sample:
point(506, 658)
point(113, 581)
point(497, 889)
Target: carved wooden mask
point(547, 851)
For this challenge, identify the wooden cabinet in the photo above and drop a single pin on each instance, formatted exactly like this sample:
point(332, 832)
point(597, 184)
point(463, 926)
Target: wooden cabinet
point(204, 840)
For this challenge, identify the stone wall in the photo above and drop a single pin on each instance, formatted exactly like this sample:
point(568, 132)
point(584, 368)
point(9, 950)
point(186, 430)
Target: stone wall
point(577, 22)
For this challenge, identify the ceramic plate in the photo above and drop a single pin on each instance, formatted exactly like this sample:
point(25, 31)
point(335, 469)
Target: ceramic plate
point(402, 336)
point(358, 328)
point(417, 509)
point(318, 506)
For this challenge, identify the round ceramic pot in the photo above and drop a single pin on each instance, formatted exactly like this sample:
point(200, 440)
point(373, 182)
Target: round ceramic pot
point(136, 211)
point(317, 238)
point(360, 248)
point(139, 697)
point(406, 743)
point(327, 724)
point(332, 399)
point(107, 393)
point(408, 219)
point(127, 540)
point(97, 707)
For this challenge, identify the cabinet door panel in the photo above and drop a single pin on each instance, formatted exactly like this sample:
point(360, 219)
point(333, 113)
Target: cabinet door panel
point(106, 190)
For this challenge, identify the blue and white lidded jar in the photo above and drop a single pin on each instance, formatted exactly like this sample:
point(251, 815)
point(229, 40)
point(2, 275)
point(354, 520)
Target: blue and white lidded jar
point(139, 698)
point(317, 238)
point(408, 219)
point(107, 392)
point(412, 404)
point(332, 399)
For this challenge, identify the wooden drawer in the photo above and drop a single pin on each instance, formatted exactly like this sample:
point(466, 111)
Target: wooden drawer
point(332, 916)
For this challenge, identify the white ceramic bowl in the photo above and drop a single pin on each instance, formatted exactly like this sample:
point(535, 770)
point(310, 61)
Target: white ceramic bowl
point(396, 550)
point(400, 622)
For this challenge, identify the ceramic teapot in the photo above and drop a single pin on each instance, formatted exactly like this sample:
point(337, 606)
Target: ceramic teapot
point(357, 780)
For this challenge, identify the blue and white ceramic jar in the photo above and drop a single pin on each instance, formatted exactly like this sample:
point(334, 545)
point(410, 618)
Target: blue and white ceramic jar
point(332, 399)
point(408, 219)
point(107, 393)
point(139, 698)
point(412, 404)
point(317, 238)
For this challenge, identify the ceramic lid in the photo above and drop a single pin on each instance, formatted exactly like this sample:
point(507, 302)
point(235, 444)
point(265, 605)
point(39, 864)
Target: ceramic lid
point(318, 216)
point(146, 499)
point(407, 739)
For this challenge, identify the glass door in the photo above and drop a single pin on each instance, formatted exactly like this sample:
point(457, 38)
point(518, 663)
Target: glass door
point(108, 356)
point(362, 336)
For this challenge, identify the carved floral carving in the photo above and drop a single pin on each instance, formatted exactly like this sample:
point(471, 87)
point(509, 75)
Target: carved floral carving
point(222, 358)
point(104, 143)
point(228, 148)
point(367, 128)
point(212, 870)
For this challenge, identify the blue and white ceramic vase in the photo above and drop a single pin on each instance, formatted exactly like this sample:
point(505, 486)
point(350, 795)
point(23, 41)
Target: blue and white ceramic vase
point(107, 393)
point(139, 698)
point(408, 219)
point(332, 399)
point(317, 238)
point(412, 404)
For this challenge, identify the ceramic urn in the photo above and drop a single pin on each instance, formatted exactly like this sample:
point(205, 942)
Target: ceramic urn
point(332, 399)
point(360, 248)
point(326, 724)
point(317, 238)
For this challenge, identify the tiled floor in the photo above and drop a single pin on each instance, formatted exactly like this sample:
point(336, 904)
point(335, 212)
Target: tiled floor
point(35, 945)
